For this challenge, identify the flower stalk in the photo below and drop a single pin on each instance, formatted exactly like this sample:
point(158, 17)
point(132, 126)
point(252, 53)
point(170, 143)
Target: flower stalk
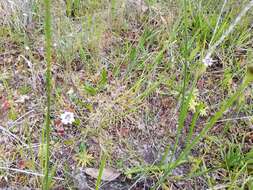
point(46, 132)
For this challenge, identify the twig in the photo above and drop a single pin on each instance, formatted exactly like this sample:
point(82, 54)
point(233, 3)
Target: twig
point(217, 187)
point(30, 65)
point(27, 172)
point(236, 118)
point(137, 181)
point(12, 135)
point(233, 119)
point(13, 124)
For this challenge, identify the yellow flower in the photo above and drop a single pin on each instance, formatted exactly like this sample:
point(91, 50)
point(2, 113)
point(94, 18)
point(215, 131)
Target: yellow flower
point(203, 111)
point(194, 101)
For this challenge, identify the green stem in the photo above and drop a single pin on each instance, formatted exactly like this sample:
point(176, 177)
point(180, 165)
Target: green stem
point(48, 40)
point(101, 169)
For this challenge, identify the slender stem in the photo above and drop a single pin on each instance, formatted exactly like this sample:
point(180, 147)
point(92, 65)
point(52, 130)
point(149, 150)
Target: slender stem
point(229, 30)
point(27, 172)
point(218, 22)
point(48, 40)
point(193, 124)
point(101, 169)
point(182, 106)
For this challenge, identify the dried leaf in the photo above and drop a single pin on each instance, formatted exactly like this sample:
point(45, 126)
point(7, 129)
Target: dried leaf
point(59, 127)
point(58, 123)
point(21, 164)
point(22, 99)
point(124, 132)
point(80, 181)
point(5, 105)
point(109, 174)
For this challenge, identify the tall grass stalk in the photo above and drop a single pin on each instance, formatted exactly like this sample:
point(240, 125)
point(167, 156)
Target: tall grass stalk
point(185, 101)
point(231, 28)
point(101, 169)
point(46, 132)
point(218, 22)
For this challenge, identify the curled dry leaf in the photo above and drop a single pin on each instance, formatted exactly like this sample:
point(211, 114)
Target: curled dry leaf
point(4, 107)
point(59, 127)
point(109, 174)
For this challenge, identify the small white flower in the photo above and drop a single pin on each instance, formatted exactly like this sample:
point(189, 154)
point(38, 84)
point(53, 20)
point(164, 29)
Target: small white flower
point(27, 48)
point(70, 92)
point(67, 117)
point(208, 61)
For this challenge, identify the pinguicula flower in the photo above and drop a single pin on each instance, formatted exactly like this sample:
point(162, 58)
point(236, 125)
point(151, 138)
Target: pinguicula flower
point(208, 61)
point(67, 118)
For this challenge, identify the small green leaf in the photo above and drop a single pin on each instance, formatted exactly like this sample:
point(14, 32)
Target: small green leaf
point(89, 89)
point(82, 147)
point(89, 107)
point(103, 79)
point(77, 122)
point(12, 115)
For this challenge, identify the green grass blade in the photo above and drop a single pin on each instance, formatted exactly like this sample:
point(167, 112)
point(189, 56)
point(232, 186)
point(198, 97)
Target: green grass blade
point(182, 116)
point(46, 138)
point(101, 169)
point(193, 124)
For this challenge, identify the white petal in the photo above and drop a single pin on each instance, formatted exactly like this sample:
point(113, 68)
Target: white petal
point(67, 118)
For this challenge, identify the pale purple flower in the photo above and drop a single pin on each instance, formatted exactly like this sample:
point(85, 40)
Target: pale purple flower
point(208, 61)
point(67, 117)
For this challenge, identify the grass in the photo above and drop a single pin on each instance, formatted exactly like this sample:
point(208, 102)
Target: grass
point(101, 169)
point(144, 103)
point(47, 131)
